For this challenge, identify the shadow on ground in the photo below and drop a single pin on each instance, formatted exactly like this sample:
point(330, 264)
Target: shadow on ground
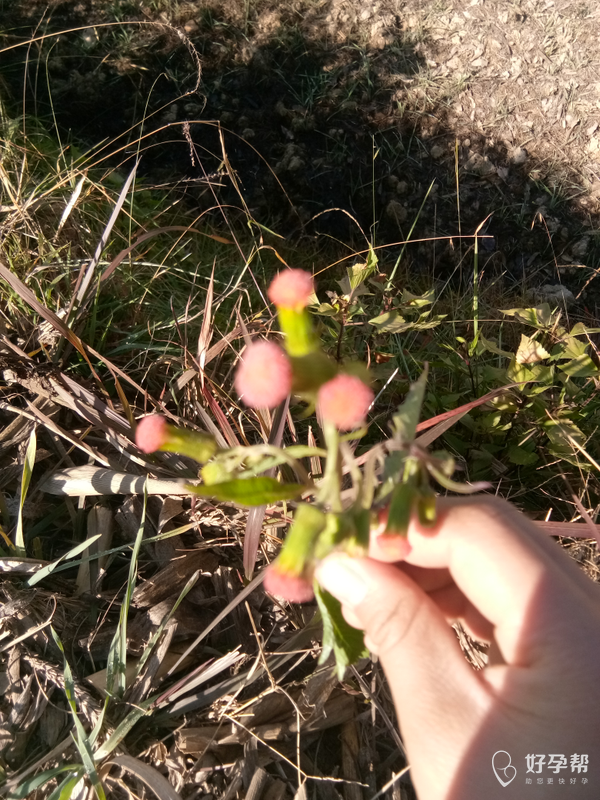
point(316, 112)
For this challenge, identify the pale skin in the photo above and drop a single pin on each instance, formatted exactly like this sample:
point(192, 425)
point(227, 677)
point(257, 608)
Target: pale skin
point(512, 585)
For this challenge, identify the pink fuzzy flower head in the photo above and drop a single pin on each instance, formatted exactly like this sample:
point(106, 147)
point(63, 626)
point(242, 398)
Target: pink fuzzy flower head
point(345, 401)
point(264, 376)
point(291, 288)
point(151, 433)
point(291, 587)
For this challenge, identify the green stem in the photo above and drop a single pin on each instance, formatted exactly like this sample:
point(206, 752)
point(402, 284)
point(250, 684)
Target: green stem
point(330, 491)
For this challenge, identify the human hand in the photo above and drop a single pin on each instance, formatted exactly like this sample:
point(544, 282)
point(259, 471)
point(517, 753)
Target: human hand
point(488, 566)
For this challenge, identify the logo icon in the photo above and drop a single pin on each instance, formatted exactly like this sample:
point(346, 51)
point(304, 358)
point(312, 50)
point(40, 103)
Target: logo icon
point(509, 772)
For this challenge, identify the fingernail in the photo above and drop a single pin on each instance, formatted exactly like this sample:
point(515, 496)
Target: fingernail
point(343, 578)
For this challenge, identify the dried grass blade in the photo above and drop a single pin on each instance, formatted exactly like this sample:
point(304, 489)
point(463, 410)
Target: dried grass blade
point(28, 297)
point(211, 427)
point(571, 530)
point(96, 481)
point(145, 236)
point(33, 630)
point(228, 608)
point(153, 779)
point(222, 420)
point(165, 621)
point(86, 275)
point(70, 205)
point(206, 329)
point(125, 404)
point(461, 410)
point(198, 676)
point(299, 640)
point(69, 437)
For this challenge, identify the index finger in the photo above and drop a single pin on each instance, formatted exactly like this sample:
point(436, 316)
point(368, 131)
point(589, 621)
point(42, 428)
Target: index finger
point(506, 568)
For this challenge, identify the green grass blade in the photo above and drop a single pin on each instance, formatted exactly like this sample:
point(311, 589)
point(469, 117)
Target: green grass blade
point(80, 738)
point(122, 729)
point(154, 639)
point(65, 789)
point(75, 551)
point(390, 280)
point(28, 465)
point(27, 787)
point(117, 657)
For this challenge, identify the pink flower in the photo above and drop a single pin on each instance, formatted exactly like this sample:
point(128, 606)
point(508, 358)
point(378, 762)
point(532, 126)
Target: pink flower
point(151, 433)
point(264, 376)
point(344, 400)
point(291, 587)
point(291, 288)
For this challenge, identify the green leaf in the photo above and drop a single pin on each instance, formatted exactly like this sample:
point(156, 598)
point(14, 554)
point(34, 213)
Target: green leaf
point(538, 317)
point(372, 259)
point(325, 310)
point(504, 403)
point(390, 322)
point(405, 420)
point(346, 642)
point(519, 455)
point(352, 284)
point(579, 329)
point(560, 432)
point(258, 491)
point(418, 300)
point(569, 349)
point(486, 344)
point(521, 373)
point(530, 351)
point(580, 367)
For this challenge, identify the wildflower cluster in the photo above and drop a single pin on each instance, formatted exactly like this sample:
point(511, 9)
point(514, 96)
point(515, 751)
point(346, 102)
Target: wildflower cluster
point(392, 486)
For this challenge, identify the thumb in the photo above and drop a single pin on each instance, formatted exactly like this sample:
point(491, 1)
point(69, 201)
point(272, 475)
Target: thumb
point(428, 675)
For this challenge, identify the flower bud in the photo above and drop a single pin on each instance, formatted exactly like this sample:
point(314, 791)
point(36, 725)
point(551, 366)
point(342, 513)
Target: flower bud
point(151, 433)
point(345, 401)
point(291, 288)
point(264, 376)
point(288, 585)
